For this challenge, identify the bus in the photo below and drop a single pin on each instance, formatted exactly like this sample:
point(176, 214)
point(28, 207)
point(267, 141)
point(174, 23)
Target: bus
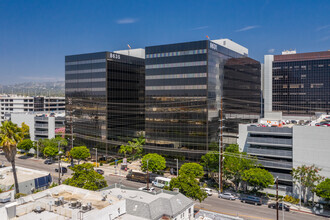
point(161, 182)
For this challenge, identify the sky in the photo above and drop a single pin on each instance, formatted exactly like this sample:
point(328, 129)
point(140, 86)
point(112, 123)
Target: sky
point(35, 36)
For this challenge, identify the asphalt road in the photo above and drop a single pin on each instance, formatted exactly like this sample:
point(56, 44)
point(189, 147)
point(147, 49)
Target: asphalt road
point(212, 203)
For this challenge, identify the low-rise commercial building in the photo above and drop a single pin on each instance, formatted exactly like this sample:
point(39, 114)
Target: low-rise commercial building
point(42, 125)
point(28, 180)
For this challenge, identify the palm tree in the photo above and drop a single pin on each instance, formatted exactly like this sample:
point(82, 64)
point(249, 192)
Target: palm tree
point(11, 135)
point(124, 149)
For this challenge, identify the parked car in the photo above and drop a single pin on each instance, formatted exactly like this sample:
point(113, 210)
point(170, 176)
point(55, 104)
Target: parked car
point(99, 171)
point(151, 189)
point(208, 191)
point(48, 162)
point(252, 200)
point(62, 170)
point(227, 196)
point(280, 206)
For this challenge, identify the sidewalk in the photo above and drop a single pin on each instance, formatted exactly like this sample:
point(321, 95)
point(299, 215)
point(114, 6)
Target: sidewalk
point(310, 211)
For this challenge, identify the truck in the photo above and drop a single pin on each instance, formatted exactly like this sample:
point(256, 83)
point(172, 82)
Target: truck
point(139, 176)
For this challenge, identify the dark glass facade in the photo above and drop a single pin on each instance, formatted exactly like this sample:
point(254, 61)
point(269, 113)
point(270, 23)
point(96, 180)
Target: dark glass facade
point(107, 94)
point(184, 84)
point(301, 83)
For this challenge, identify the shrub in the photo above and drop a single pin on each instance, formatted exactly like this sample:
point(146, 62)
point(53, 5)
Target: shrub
point(18, 195)
point(291, 199)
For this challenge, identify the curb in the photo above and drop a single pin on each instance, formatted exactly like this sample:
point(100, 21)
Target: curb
point(306, 212)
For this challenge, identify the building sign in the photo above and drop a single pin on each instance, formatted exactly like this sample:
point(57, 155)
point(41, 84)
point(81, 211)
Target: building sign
point(213, 46)
point(114, 56)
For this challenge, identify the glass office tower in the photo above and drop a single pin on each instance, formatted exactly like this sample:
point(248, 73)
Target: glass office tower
point(184, 85)
point(301, 83)
point(106, 94)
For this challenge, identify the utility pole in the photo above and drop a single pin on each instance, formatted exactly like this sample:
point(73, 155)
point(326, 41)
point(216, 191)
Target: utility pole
point(277, 198)
point(221, 149)
point(96, 155)
point(177, 167)
point(59, 165)
point(148, 174)
point(300, 192)
point(71, 127)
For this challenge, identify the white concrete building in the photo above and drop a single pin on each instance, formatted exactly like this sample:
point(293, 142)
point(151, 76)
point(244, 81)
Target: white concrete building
point(67, 202)
point(227, 43)
point(13, 103)
point(28, 180)
point(42, 125)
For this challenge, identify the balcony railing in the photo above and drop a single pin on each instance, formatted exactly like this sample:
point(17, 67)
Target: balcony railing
point(276, 164)
point(38, 125)
point(282, 176)
point(268, 152)
point(272, 130)
point(41, 132)
point(270, 141)
point(41, 119)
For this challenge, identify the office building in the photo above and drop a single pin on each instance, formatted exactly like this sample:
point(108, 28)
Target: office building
point(42, 125)
point(105, 97)
point(68, 202)
point(184, 86)
point(285, 145)
point(14, 103)
point(297, 83)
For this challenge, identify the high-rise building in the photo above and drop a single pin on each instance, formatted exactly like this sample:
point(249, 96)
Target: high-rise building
point(184, 86)
point(14, 103)
point(105, 96)
point(297, 83)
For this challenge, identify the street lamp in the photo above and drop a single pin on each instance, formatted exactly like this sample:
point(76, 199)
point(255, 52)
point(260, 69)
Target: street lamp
point(96, 155)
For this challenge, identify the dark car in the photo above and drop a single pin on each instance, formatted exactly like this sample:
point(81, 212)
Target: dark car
point(99, 171)
point(280, 206)
point(252, 200)
point(63, 170)
point(48, 162)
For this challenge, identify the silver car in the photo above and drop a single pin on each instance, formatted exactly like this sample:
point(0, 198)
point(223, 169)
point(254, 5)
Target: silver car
point(227, 196)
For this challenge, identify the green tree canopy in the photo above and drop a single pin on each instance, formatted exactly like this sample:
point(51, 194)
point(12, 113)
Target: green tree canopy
point(125, 149)
point(86, 177)
point(10, 135)
point(25, 144)
point(156, 162)
point(80, 153)
point(188, 186)
point(25, 130)
point(211, 161)
point(50, 151)
point(308, 176)
point(258, 178)
point(323, 189)
point(194, 170)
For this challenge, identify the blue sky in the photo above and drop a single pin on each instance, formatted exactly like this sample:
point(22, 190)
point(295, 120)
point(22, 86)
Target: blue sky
point(36, 35)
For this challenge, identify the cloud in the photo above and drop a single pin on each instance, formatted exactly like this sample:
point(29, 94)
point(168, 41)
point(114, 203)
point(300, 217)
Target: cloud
point(41, 79)
point(271, 50)
point(199, 28)
point(323, 27)
point(127, 21)
point(325, 38)
point(247, 28)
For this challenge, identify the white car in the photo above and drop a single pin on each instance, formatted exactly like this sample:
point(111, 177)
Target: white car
point(208, 191)
point(227, 196)
point(151, 189)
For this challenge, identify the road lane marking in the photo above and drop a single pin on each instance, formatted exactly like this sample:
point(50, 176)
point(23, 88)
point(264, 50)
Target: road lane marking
point(239, 215)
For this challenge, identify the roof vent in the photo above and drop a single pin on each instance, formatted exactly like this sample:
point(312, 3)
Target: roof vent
point(38, 209)
point(119, 197)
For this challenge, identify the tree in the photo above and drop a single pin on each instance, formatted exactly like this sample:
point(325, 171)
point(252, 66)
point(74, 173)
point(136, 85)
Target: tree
point(10, 135)
point(193, 170)
point(211, 161)
point(50, 151)
point(188, 186)
point(258, 178)
point(323, 189)
point(86, 177)
point(156, 162)
point(25, 130)
point(80, 153)
point(125, 149)
point(308, 177)
point(25, 144)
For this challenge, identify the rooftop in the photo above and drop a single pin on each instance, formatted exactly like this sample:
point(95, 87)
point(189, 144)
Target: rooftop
point(24, 174)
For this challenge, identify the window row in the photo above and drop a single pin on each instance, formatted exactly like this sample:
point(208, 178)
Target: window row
point(85, 62)
point(85, 80)
point(85, 71)
point(171, 65)
point(85, 89)
point(178, 76)
point(176, 87)
point(176, 53)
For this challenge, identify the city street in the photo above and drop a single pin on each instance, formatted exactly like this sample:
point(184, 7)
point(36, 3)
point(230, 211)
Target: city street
point(212, 203)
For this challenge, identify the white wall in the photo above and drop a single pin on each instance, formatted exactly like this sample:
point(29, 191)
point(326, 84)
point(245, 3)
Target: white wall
point(227, 43)
point(51, 127)
point(268, 83)
point(28, 119)
point(139, 52)
point(242, 136)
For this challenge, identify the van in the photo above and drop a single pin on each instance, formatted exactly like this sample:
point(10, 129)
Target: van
point(161, 182)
